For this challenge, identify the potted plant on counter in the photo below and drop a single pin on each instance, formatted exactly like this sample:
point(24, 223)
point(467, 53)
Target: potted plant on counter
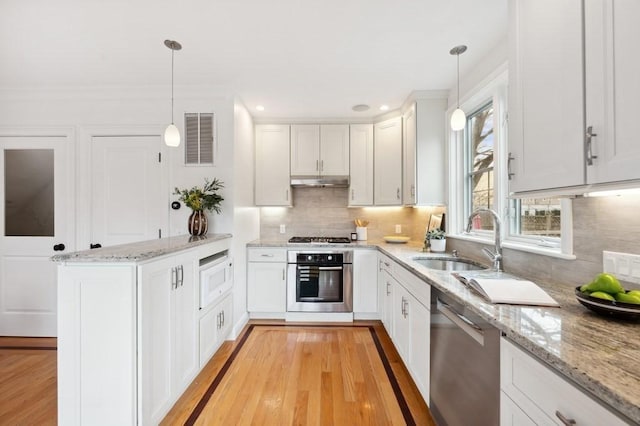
point(201, 199)
point(437, 240)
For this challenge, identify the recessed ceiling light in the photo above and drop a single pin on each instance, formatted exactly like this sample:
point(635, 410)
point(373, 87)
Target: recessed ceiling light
point(384, 107)
point(360, 108)
point(259, 107)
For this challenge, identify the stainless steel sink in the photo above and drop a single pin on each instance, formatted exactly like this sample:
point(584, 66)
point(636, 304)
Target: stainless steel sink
point(449, 263)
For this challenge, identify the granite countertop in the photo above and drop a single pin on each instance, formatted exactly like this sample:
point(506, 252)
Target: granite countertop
point(139, 251)
point(599, 354)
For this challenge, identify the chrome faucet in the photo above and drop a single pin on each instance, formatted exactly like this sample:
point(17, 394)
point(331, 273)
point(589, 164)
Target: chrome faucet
point(496, 256)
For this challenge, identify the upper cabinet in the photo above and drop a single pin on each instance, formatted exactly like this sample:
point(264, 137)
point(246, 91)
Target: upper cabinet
point(565, 61)
point(272, 181)
point(320, 150)
point(424, 152)
point(388, 162)
point(612, 90)
point(361, 159)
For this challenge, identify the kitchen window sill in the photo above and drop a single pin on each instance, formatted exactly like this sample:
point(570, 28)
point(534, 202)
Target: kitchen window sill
point(513, 245)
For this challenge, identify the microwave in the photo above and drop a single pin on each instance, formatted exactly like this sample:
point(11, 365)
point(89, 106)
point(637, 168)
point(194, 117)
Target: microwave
point(216, 278)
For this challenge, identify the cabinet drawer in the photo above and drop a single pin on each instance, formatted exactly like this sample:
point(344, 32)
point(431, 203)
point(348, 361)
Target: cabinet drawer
point(541, 393)
point(267, 255)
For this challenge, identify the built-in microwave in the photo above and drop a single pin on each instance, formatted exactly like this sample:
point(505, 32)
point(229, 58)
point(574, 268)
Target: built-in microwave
point(216, 278)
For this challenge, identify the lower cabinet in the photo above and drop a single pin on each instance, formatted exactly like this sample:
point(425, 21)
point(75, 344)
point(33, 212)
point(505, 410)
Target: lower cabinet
point(267, 281)
point(215, 325)
point(168, 351)
point(531, 393)
point(365, 294)
point(404, 310)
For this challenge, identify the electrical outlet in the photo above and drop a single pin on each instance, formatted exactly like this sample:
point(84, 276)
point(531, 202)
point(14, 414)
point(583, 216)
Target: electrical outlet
point(398, 229)
point(625, 266)
point(283, 229)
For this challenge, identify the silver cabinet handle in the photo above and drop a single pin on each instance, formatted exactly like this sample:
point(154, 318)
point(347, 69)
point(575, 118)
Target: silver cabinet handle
point(317, 167)
point(286, 194)
point(181, 275)
point(174, 278)
point(388, 285)
point(398, 194)
point(283, 275)
point(510, 174)
point(565, 421)
point(589, 135)
point(352, 194)
point(322, 165)
point(266, 255)
point(413, 190)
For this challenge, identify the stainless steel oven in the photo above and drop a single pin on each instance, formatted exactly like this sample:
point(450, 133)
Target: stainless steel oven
point(320, 281)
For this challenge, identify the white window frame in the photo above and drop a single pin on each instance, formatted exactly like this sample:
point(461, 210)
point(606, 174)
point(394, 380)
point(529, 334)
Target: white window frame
point(494, 88)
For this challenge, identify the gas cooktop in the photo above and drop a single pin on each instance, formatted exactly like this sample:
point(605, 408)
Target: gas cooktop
point(320, 240)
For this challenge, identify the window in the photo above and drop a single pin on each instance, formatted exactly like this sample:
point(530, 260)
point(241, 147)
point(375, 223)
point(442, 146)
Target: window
point(478, 177)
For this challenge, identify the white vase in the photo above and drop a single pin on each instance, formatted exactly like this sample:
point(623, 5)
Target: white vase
point(438, 245)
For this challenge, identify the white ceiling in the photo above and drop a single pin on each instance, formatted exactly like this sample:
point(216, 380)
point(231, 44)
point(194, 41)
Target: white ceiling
point(298, 58)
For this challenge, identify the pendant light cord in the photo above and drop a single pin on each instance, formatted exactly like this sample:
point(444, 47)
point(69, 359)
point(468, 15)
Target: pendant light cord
point(458, 55)
point(172, 54)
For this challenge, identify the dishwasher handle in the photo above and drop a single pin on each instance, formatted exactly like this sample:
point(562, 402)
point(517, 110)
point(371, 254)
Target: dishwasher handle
point(469, 327)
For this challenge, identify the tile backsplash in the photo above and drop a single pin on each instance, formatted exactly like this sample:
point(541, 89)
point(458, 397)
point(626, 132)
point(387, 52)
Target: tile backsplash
point(324, 211)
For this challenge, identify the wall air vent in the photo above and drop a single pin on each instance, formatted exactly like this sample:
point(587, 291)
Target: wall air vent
point(199, 138)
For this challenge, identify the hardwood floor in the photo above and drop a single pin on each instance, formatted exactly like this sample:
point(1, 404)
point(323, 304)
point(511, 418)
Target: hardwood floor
point(284, 374)
point(28, 394)
point(304, 375)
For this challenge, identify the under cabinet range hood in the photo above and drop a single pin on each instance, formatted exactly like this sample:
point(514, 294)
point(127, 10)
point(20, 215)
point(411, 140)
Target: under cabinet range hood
point(321, 181)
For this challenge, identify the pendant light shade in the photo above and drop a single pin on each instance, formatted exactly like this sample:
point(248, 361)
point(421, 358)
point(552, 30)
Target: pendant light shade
point(171, 133)
point(458, 118)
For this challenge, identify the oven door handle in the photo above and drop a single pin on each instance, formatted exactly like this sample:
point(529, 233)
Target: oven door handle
point(330, 268)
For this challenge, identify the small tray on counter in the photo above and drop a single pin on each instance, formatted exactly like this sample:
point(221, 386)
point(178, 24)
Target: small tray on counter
point(397, 239)
point(609, 307)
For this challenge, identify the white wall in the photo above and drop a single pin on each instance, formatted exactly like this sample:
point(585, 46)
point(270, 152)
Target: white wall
point(246, 217)
point(122, 110)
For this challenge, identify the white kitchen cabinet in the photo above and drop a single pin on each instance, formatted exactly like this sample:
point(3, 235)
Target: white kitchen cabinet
point(215, 326)
point(128, 341)
point(424, 152)
point(405, 311)
point(546, 123)
point(272, 178)
point(388, 162)
point(319, 150)
point(566, 60)
point(266, 282)
point(612, 89)
point(542, 395)
point(361, 165)
point(385, 292)
point(169, 343)
point(365, 284)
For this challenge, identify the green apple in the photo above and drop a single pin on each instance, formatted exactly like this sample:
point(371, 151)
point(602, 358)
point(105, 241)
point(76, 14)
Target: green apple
point(606, 283)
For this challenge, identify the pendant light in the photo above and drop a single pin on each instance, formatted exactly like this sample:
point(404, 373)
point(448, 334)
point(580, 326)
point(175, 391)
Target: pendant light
point(458, 119)
point(171, 133)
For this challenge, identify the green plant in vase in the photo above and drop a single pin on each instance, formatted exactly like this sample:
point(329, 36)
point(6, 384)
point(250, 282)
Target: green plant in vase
point(200, 199)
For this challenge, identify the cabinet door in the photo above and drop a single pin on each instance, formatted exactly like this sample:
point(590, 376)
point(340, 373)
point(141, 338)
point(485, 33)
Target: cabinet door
point(334, 150)
point(272, 179)
point(612, 88)
point(225, 313)
point(409, 158)
point(388, 163)
point(401, 322)
point(305, 150)
point(184, 323)
point(512, 415)
point(361, 161)
point(155, 340)
point(365, 295)
point(431, 153)
point(266, 287)
point(545, 94)
point(420, 333)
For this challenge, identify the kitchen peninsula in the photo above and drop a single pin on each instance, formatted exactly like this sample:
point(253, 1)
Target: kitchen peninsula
point(130, 321)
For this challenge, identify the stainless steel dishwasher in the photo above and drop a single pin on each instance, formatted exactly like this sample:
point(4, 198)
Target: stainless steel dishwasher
point(465, 366)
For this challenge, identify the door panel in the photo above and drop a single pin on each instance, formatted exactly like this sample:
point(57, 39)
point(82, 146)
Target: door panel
point(35, 189)
point(128, 202)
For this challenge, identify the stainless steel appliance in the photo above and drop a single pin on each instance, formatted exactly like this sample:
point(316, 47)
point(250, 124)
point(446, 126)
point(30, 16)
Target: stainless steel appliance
point(320, 281)
point(465, 365)
point(320, 240)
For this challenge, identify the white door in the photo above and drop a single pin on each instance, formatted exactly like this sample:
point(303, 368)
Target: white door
point(128, 201)
point(35, 186)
